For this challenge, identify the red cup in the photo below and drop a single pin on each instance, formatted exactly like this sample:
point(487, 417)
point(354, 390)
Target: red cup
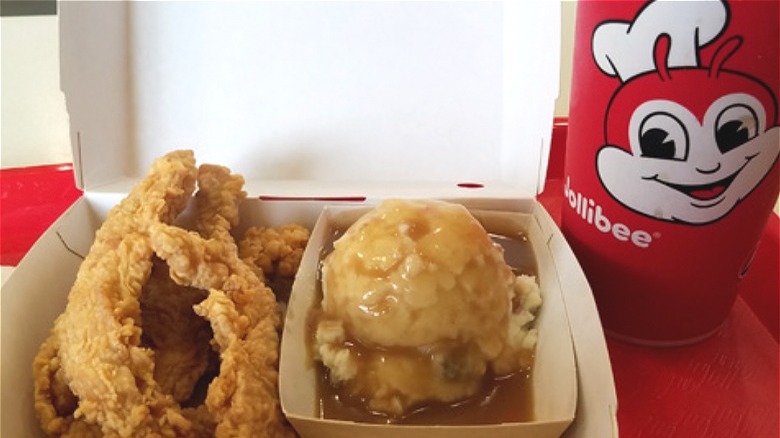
point(672, 158)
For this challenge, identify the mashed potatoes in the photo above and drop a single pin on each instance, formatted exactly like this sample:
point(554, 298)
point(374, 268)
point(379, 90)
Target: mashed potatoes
point(418, 305)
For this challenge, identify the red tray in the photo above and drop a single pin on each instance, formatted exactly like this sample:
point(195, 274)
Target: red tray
point(725, 386)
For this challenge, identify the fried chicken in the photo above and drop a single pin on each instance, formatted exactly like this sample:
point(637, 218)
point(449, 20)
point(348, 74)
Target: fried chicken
point(152, 306)
point(179, 337)
point(274, 251)
point(92, 371)
point(243, 312)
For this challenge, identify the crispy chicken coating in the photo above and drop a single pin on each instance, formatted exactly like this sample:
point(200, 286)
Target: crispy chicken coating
point(243, 313)
point(274, 251)
point(92, 373)
point(152, 307)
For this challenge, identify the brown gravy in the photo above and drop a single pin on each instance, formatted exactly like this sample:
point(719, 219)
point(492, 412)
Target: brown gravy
point(501, 399)
point(504, 399)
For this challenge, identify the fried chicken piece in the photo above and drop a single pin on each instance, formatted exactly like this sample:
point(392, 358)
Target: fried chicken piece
point(243, 399)
point(217, 200)
point(61, 402)
point(179, 337)
point(240, 396)
point(134, 339)
point(94, 349)
point(274, 251)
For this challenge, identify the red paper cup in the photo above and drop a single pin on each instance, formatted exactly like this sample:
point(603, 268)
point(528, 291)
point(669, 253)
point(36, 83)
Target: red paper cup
point(672, 158)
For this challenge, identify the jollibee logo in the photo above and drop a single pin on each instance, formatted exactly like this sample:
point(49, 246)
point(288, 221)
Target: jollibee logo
point(593, 214)
point(684, 142)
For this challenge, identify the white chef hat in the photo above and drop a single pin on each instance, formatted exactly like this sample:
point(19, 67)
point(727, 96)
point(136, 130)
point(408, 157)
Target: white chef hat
point(625, 49)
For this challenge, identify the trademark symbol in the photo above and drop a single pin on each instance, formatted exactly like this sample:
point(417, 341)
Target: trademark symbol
point(656, 235)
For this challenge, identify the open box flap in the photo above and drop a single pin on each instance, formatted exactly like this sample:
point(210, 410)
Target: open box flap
point(315, 96)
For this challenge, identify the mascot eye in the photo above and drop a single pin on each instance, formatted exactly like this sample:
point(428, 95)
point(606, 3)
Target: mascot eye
point(663, 136)
point(735, 125)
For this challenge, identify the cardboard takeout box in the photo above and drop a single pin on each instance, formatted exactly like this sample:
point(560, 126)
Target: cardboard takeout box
point(316, 104)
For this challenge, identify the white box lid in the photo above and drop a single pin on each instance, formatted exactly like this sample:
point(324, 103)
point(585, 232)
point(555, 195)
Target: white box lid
point(316, 99)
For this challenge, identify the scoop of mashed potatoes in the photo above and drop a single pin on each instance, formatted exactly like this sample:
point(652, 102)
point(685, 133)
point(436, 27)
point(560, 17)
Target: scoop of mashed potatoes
point(418, 304)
